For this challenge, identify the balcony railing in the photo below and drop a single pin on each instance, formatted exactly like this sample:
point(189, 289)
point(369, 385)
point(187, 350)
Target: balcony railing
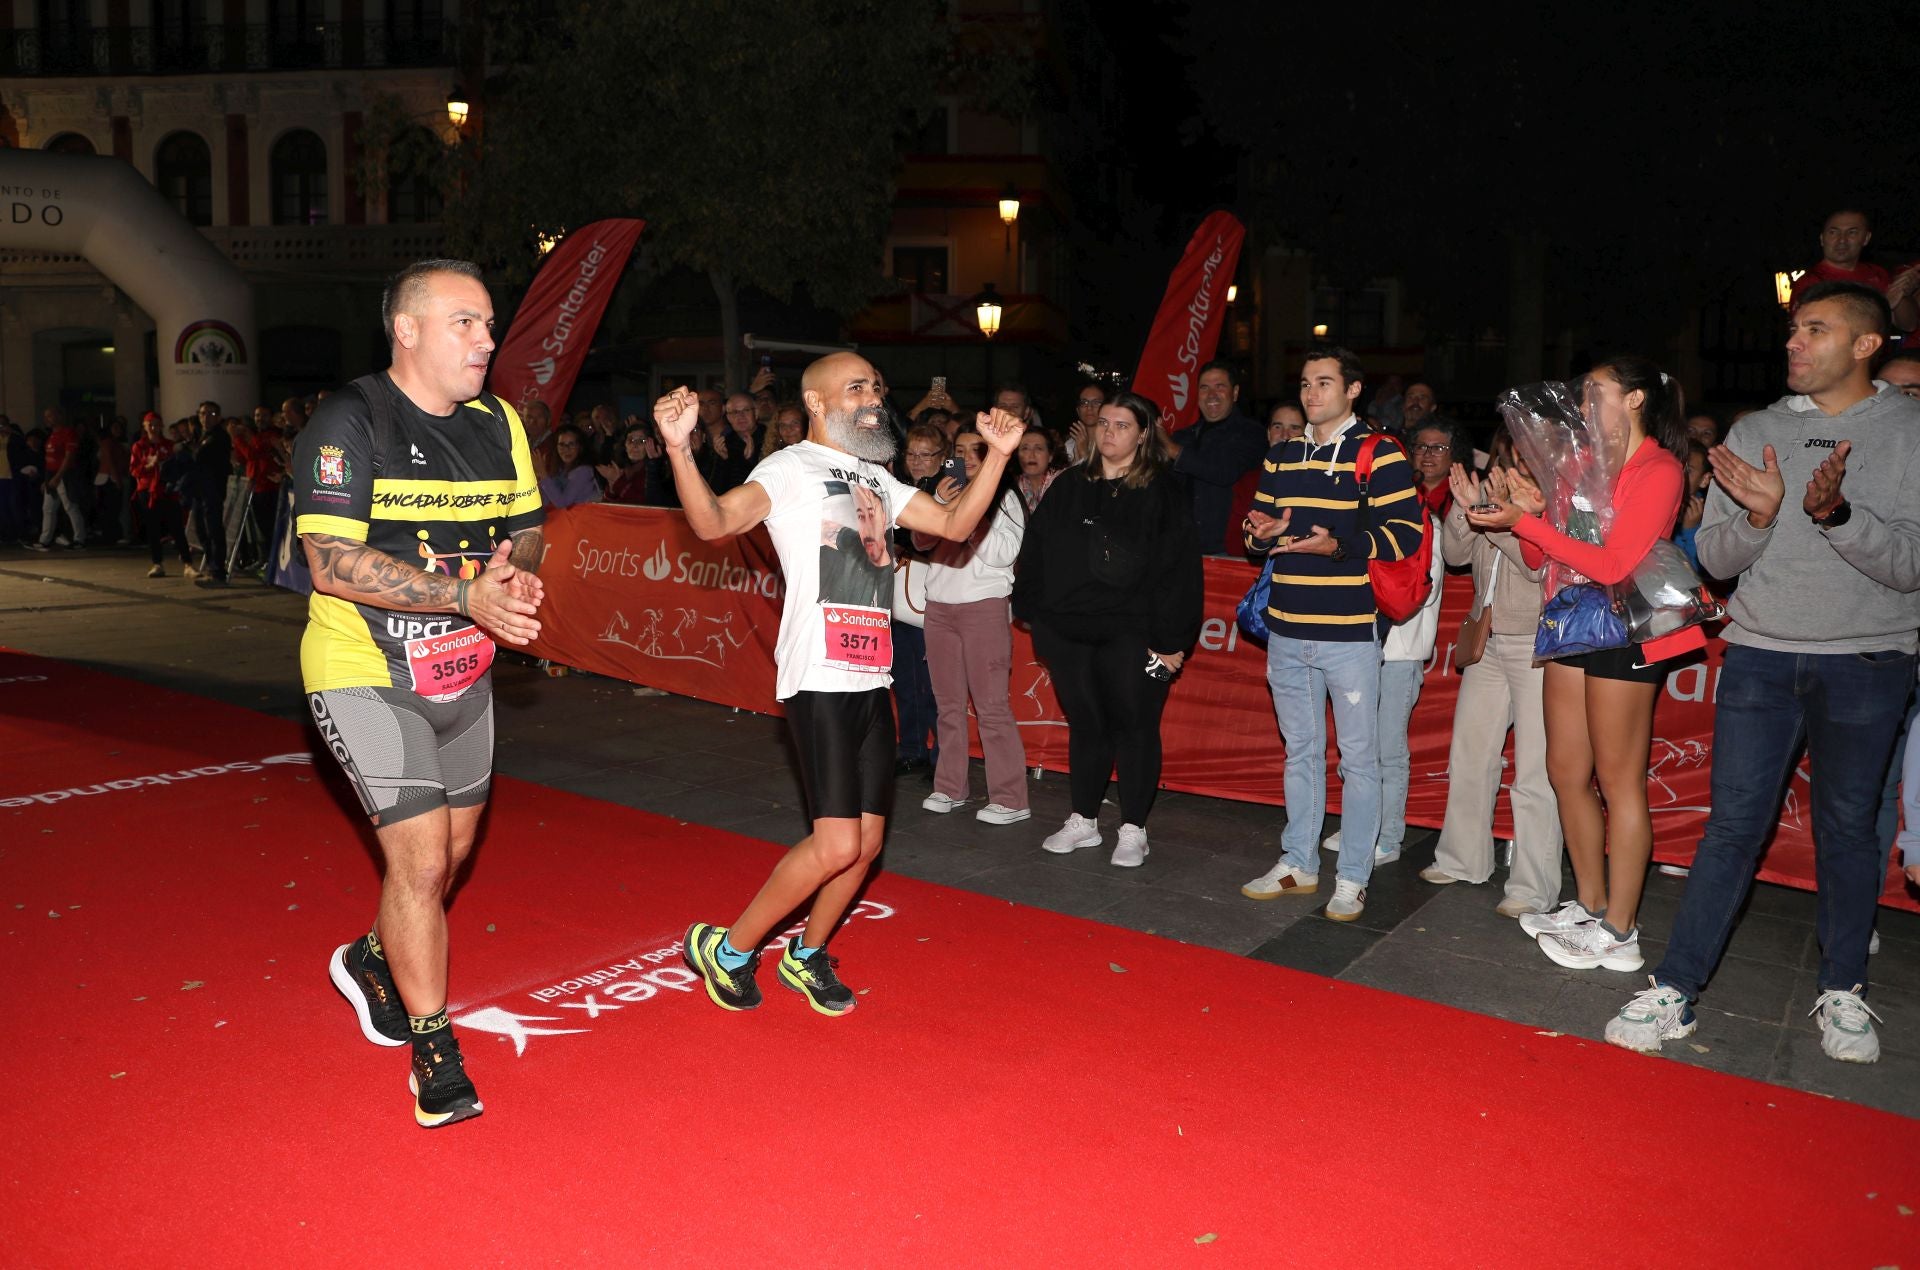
point(205, 47)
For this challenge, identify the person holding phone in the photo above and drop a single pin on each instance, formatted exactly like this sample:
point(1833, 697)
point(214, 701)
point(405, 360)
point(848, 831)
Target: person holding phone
point(1109, 578)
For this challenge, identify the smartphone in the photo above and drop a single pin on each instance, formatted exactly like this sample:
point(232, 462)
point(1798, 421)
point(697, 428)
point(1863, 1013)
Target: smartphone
point(954, 470)
point(766, 361)
point(1157, 669)
point(940, 383)
point(1484, 507)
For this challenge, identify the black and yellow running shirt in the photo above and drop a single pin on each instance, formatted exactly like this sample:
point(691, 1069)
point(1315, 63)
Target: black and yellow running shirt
point(447, 491)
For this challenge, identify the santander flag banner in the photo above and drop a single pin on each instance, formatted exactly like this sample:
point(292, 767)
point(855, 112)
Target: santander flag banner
point(543, 351)
point(1187, 329)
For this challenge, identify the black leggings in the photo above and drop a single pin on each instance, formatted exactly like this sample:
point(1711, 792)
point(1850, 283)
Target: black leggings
point(164, 518)
point(1113, 716)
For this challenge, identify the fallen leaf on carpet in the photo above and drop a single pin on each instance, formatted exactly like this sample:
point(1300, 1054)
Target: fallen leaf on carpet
point(1207, 1238)
point(221, 1023)
point(1182, 1132)
point(191, 984)
point(1873, 1194)
point(1547, 1033)
point(288, 887)
point(1904, 1211)
point(1206, 1009)
point(1699, 1049)
point(139, 998)
point(1116, 967)
point(489, 928)
point(923, 939)
point(261, 799)
point(292, 907)
point(865, 991)
point(71, 907)
point(115, 1075)
point(52, 913)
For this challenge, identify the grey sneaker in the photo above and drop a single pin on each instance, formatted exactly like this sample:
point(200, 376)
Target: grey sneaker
point(1076, 833)
point(997, 814)
point(1566, 917)
point(937, 801)
point(1130, 852)
point(1588, 946)
point(1846, 1028)
point(1348, 902)
point(1657, 1013)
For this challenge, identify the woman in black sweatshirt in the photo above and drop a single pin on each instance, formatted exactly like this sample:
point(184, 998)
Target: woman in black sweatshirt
point(1109, 579)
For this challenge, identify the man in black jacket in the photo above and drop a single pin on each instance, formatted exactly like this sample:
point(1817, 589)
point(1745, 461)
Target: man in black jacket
point(1213, 454)
point(212, 463)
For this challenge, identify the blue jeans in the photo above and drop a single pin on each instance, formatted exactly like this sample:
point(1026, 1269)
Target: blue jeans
point(1887, 825)
point(1848, 708)
point(1303, 675)
point(912, 690)
point(1400, 683)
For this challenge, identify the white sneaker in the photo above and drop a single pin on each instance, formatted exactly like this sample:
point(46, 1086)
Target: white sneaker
point(1281, 879)
point(1438, 876)
point(1846, 1032)
point(1331, 842)
point(1348, 902)
point(1873, 944)
point(1076, 833)
point(1382, 855)
point(158, 571)
point(1657, 1013)
point(997, 814)
point(1130, 851)
point(1566, 917)
point(1589, 946)
point(189, 572)
point(939, 802)
point(1674, 870)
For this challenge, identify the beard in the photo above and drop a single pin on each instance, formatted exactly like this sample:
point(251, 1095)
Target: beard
point(849, 430)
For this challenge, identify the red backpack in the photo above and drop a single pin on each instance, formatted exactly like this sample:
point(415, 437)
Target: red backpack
point(1400, 586)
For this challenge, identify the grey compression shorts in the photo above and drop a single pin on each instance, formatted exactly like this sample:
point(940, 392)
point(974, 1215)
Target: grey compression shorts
point(406, 755)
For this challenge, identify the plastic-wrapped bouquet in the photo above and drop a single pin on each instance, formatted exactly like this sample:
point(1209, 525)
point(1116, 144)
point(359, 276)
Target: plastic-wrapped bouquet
point(1570, 460)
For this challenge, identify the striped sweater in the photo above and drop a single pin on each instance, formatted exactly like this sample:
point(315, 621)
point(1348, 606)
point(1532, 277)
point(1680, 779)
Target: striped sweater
point(1317, 597)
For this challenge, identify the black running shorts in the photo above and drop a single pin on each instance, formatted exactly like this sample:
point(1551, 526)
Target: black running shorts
point(406, 755)
point(1629, 665)
point(845, 744)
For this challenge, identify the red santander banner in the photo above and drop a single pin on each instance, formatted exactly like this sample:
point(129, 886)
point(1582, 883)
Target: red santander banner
point(632, 593)
point(1186, 331)
point(544, 349)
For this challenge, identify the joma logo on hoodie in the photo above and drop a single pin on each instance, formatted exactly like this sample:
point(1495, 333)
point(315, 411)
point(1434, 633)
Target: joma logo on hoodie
point(1825, 443)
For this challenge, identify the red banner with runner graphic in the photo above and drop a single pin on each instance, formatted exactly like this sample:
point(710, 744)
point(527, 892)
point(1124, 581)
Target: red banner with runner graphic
point(1186, 330)
point(632, 593)
point(547, 343)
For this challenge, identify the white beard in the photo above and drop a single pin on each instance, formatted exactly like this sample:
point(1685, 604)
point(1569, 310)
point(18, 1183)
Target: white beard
point(875, 445)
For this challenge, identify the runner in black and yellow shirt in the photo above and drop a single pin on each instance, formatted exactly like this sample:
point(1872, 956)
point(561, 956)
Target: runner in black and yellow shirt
point(419, 511)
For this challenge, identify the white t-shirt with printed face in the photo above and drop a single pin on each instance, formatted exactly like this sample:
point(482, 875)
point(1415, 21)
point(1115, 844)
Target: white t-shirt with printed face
point(831, 513)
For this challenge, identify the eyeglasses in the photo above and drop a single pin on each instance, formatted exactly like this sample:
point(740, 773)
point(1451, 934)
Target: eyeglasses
point(1089, 403)
point(1442, 448)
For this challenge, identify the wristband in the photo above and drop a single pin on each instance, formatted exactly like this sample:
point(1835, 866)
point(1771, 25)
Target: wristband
point(460, 598)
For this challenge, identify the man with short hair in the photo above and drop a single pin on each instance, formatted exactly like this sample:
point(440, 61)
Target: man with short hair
point(1417, 406)
point(1324, 626)
point(1902, 370)
point(67, 483)
point(745, 440)
point(1222, 446)
point(828, 503)
point(207, 492)
point(1813, 513)
point(419, 511)
point(1843, 240)
point(1285, 422)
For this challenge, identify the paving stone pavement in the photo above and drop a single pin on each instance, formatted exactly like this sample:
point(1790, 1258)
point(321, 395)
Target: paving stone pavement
point(732, 770)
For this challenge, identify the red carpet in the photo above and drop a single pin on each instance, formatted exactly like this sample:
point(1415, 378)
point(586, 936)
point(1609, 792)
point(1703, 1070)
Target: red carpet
point(181, 1085)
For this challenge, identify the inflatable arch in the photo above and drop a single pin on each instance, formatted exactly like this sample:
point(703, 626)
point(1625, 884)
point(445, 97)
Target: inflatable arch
point(200, 303)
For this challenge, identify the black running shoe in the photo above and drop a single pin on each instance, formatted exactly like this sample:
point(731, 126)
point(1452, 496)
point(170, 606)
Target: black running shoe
point(730, 989)
point(367, 984)
point(814, 979)
point(442, 1094)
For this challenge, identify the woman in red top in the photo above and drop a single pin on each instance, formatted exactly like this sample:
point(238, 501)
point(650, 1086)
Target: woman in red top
point(1599, 707)
point(159, 508)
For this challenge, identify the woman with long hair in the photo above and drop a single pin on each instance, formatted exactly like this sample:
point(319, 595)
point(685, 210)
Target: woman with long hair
point(1109, 578)
point(970, 649)
point(626, 478)
point(1037, 472)
point(1599, 706)
point(570, 478)
point(925, 450)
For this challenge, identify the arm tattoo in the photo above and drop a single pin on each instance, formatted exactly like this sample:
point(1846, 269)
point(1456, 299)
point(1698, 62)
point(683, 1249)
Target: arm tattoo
point(354, 571)
point(529, 546)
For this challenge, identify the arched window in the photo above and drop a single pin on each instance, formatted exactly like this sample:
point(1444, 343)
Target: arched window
point(299, 167)
point(413, 180)
point(183, 169)
point(70, 143)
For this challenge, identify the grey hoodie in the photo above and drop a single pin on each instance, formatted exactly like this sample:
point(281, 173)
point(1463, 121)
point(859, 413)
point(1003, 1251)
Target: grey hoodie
point(1803, 589)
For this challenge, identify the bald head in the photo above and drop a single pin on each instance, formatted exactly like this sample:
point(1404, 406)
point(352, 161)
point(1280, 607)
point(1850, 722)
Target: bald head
point(846, 402)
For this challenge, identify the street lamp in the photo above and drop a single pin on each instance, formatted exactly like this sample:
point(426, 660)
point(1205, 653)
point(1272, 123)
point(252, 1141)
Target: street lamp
point(1009, 205)
point(457, 109)
point(1320, 330)
point(1233, 292)
point(986, 309)
point(1783, 281)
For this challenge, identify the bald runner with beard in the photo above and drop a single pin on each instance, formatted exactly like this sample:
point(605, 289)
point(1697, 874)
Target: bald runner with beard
point(827, 503)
